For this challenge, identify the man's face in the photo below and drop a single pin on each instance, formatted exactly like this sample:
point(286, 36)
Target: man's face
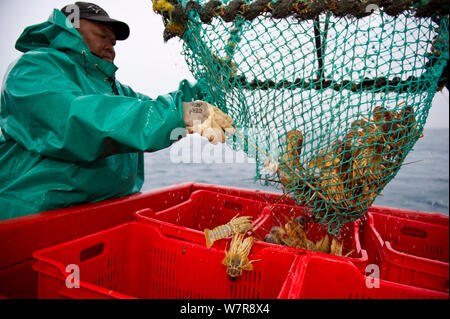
point(100, 39)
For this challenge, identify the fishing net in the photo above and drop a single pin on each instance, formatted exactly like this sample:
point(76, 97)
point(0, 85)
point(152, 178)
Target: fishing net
point(328, 96)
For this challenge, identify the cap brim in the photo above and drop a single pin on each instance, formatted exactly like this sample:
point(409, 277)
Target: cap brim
point(121, 29)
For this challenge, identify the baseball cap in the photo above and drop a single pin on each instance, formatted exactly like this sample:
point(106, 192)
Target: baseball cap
point(93, 12)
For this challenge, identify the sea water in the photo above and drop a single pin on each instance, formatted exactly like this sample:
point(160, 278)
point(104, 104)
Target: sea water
point(422, 185)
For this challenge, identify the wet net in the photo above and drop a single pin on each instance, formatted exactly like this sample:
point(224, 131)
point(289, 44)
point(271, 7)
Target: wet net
point(329, 96)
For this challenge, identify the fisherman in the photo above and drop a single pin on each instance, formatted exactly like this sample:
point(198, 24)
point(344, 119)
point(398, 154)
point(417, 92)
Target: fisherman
point(71, 133)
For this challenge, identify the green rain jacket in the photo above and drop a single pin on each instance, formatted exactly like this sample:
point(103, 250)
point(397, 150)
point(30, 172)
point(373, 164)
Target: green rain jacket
point(71, 133)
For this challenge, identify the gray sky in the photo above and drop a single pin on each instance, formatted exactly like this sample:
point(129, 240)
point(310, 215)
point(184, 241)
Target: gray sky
point(145, 62)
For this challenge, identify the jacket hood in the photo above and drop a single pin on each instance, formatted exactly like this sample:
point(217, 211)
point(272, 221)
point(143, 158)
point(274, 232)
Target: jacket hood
point(58, 33)
point(53, 33)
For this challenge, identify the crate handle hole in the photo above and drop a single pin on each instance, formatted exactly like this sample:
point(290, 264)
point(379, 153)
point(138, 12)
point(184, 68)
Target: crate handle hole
point(413, 232)
point(91, 252)
point(232, 205)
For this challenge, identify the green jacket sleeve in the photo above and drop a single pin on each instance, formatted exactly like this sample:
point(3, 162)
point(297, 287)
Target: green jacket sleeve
point(190, 92)
point(128, 91)
point(46, 111)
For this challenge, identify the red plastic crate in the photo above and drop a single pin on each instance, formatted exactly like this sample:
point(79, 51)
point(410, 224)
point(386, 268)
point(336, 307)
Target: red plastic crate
point(408, 251)
point(349, 233)
point(426, 217)
point(204, 209)
point(135, 260)
point(321, 277)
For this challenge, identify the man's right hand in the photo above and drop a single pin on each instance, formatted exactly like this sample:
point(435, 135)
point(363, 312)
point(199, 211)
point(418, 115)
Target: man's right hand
point(207, 120)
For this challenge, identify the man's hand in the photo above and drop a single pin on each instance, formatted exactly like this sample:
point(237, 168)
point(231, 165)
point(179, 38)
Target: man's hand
point(207, 120)
point(197, 111)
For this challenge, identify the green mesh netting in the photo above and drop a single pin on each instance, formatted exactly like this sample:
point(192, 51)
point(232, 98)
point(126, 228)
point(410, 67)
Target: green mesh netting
point(328, 96)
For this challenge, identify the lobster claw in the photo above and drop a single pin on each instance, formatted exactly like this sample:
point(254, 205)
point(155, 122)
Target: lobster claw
point(208, 238)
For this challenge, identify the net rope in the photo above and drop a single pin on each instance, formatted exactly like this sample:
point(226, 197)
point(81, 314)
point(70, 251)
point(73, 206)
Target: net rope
point(328, 96)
